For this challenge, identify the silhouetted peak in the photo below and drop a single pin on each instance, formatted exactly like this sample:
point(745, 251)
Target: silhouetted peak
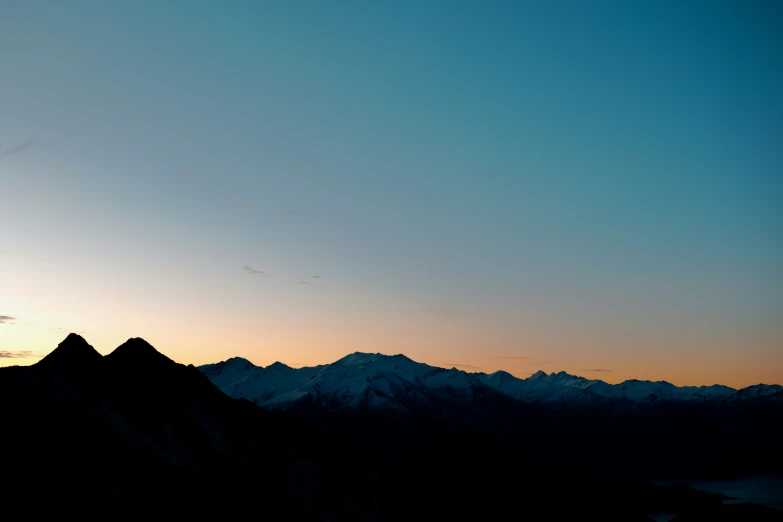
point(761, 389)
point(234, 364)
point(358, 358)
point(137, 344)
point(74, 338)
point(366, 357)
point(238, 362)
point(278, 366)
point(564, 376)
point(500, 374)
point(540, 374)
point(137, 351)
point(73, 351)
point(401, 357)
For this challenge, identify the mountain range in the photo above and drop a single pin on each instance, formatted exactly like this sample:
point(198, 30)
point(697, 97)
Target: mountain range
point(135, 432)
point(394, 381)
point(708, 431)
point(371, 437)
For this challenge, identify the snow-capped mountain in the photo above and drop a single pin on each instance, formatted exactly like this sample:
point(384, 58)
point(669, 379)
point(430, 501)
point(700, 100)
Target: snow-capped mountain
point(765, 392)
point(395, 381)
point(539, 387)
point(649, 391)
point(359, 379)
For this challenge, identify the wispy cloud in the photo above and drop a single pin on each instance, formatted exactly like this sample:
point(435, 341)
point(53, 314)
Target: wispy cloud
point(60, 329)
point(303, 283)
point(518, 358)
point(21, 147)
point(5, 319)
point(253, 271)
point(455, 365)
point(316, 277)
point(24, 354)
point(596, 370)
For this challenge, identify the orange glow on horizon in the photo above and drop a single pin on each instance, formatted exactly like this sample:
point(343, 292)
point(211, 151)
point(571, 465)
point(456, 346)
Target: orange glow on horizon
point(323, 346)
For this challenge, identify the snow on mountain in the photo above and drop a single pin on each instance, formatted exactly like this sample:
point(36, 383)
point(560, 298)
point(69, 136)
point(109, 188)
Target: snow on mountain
point(358, 379)
point(655, 391)
point(226, 373)
point(709, 392)
point(376, 380)
point(563, 379)
point(759, 391)
point(395, 381)
point(539, 387)
point(637, 390)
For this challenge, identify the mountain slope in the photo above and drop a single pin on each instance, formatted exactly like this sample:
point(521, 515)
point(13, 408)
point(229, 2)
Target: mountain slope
point(137, 434)
point(73, 354)
point(632, 429)
point(357, 380)
point(396, 382)
point(138, 430)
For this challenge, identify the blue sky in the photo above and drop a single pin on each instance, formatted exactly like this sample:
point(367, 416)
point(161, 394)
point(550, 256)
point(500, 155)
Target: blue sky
point(594, 184)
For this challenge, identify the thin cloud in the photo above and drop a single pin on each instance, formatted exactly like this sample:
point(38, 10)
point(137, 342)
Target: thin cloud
point(24, 354)
point(596, 370)
point(519, 358)
point(60, 329)
point(454, 365)
point(253, 271)
point(303, 283)
point(289, 212)
point(316, 277)
point(21, 147)
point(5, 319)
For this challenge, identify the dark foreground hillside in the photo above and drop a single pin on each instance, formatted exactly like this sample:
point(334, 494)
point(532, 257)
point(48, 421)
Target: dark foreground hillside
point(134, 433)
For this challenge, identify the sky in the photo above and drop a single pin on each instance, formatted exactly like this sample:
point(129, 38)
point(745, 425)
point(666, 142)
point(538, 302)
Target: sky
point(595, 187)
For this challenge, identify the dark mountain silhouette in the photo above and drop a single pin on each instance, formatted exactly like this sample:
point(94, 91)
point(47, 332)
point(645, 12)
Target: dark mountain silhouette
point(636, 428)
point(138, 431)
point(730, 513)
point(135, 433)
point(73, 354)
point(137, 352)
point(392, 381)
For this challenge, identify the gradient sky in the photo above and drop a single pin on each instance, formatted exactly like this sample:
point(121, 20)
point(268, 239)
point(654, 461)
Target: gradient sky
point(574, 186)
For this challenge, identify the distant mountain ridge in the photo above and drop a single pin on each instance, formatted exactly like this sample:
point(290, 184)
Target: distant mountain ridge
point(369, 437)
point(133, 432)
point(394, 381)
